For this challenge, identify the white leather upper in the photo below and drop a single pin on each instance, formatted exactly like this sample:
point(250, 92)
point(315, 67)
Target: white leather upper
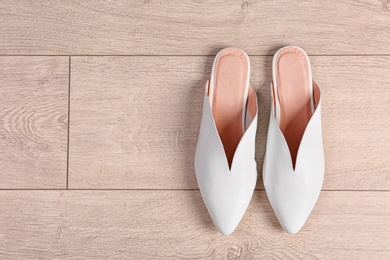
point(226, 192)
point(293, 193)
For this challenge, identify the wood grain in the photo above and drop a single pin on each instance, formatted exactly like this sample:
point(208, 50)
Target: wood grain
point(176, 225)
point(135, 120)
point(193, 27)
point(33, 122)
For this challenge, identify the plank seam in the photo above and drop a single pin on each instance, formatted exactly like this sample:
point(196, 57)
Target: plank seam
point(67, 189)
point(184, 55)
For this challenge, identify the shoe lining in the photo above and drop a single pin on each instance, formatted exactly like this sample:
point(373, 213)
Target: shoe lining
point(230, 75)
point(294, 90)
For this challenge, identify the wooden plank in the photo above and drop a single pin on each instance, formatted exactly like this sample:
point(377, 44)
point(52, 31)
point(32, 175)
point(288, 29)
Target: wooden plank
point(193, 28)
point(33, 122)
point(135, 120)
point(176, 225)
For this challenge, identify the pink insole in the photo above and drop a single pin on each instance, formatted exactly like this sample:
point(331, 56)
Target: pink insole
point(293, 83)
point(231, 73)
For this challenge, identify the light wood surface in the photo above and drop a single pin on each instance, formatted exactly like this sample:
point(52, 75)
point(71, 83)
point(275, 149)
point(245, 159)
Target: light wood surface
point(135, 120)
point(176, 225)
point(193, 27)
point(33, 122)
point(97, 138)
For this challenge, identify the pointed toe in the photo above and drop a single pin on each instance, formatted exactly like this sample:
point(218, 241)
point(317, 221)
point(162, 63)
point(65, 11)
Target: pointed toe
point(226, 231)
point(292, 205)
point(292, 229)
point(227, 217)
point(227, 203)
point(292, 224)
point(226, 226)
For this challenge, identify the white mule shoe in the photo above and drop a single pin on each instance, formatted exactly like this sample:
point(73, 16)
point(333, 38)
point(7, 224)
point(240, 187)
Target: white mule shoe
point(293, 169)
point(225, 163)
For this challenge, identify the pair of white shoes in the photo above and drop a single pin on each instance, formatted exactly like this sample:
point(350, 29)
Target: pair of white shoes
point(293, 168)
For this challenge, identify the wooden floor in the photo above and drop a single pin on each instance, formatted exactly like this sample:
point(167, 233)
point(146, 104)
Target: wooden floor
point(100, 106)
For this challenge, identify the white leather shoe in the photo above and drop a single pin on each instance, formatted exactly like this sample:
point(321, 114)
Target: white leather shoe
point(225, 163)
point(293, 169)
